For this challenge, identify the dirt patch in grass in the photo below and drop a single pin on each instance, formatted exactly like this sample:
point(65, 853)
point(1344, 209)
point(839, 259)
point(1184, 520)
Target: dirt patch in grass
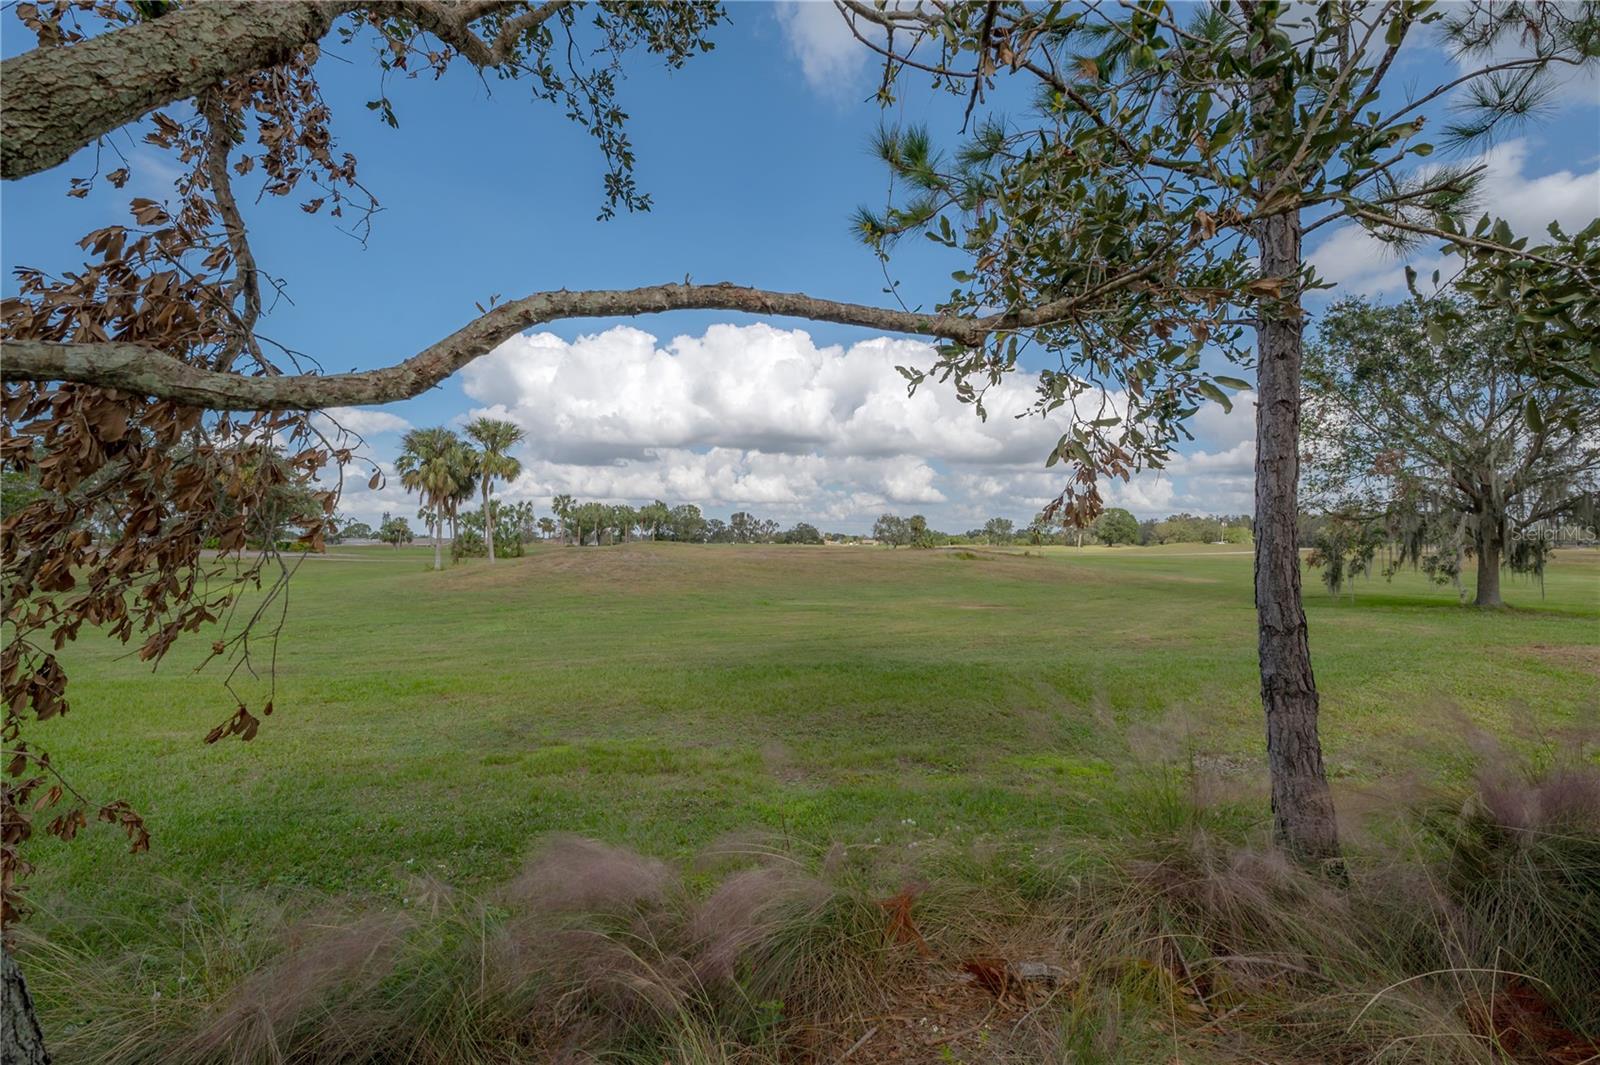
point(948, 1015)
point(779, 761)
point(1583, 659)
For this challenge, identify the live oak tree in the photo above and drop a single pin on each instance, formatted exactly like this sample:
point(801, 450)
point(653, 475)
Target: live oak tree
point(1152, 210)
point(1117, 526)
point(1158, 194)
point(1427, 428)
point(999, 530)
point(687, 523)
point(892, 529)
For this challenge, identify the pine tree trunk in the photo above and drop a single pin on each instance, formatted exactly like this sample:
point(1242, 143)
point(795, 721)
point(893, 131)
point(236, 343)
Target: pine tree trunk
point(1489, 550)
point(21, 1041)
point(1302, 805)
point(488, 521)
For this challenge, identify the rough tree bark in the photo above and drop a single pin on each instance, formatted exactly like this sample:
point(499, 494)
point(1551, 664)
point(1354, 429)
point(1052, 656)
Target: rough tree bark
point(21, 1041)
point(59, 99)
point(1302, 805)
point(1489, 552)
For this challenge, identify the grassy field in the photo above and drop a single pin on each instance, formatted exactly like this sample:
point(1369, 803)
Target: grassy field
point(979, 717)
point(660, 696)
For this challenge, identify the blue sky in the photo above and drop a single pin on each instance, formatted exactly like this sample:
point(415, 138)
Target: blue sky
point(756, 155)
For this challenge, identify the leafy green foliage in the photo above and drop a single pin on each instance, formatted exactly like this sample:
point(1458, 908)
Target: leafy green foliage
point(892, 529)
point(1116, 526)
point(1119, 219)
point(395, 531)
point(573, 60)
point(441, 468)
point(357, 530)
point(1429, 427)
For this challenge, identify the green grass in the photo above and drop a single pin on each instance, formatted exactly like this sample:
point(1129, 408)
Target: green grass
point(660, 696)
point(1063, 745)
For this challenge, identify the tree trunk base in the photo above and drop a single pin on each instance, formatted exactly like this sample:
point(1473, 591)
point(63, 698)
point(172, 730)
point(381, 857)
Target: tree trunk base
point(21, 1040)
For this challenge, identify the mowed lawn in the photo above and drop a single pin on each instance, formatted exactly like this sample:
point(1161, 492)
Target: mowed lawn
point(664, 695)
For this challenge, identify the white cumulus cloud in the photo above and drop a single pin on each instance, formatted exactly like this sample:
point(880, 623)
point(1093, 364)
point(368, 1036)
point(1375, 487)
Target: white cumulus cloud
point(365, 421)
point(829, 55)
point(1528, 203)
point(761, 418)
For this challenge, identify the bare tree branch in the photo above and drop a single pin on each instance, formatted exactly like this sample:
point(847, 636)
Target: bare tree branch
point(147, 371)
point(246, 276)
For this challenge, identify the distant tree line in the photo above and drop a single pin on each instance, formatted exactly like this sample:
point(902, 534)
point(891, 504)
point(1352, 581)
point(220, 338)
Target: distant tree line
point(589, 524)
point(1114, 527)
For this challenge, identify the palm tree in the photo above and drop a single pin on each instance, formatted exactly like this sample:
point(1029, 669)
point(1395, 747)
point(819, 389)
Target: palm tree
point(590, 515)
point(430, 465)
point(464, 469)
point(495, 438)
point(654, 516)
point(547, 527)
point(522, 517)
point(623, 519)
point(562, 506)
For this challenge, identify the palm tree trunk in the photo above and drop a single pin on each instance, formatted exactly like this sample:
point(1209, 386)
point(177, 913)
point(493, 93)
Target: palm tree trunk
point(438, 541)
point(488, 521)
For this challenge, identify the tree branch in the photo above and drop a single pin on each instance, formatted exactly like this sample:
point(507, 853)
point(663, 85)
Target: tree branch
point(144, 370)
point(451, 23)
point(1422, 229)
point(59, 99)
point(246, 277)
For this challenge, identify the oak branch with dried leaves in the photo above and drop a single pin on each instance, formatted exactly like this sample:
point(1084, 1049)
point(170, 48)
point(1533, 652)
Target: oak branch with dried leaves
point(1150, 211)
